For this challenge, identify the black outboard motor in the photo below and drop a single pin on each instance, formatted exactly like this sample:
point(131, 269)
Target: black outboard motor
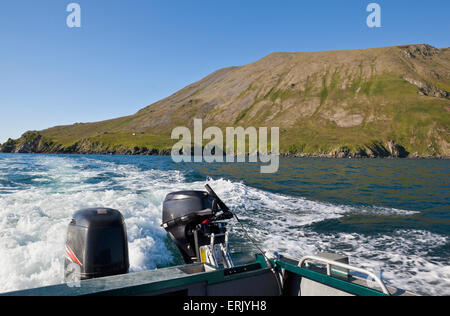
point(96, 245)
point(191, 218)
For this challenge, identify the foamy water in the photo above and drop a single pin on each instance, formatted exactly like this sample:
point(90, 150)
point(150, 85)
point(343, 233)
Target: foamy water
point(39, 194)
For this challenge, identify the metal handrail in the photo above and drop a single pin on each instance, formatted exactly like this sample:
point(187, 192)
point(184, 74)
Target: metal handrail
point(330, 263)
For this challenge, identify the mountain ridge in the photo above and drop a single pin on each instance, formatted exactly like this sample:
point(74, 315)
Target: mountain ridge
point(388, 101)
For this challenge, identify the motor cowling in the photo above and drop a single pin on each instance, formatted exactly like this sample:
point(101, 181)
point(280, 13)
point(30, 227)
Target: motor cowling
point(190, 218)
point(96, 245)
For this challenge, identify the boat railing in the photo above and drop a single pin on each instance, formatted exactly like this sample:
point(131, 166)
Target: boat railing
point(331, 263)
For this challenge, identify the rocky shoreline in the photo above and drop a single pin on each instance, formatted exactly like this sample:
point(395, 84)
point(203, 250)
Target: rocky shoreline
point(34, 143)
point(356, 156)
point(166, 153)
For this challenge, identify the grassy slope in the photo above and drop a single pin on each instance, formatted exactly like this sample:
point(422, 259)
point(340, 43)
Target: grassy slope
point(387, 96)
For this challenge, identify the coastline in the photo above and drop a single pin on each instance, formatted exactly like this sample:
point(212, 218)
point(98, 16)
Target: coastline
point(35, 143)
point(167, 153)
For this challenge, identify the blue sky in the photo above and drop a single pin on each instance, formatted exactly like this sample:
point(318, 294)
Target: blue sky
point(131, 53)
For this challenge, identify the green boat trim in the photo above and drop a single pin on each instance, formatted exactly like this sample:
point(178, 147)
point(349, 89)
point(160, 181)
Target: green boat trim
point(180, 279)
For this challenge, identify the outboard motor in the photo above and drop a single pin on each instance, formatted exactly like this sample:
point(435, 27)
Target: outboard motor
point(193, 221)
point(96, 245)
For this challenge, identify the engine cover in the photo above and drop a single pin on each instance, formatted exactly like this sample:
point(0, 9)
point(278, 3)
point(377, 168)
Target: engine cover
point(96, 245)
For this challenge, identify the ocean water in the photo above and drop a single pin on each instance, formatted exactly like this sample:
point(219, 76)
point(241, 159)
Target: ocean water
point(389, 216)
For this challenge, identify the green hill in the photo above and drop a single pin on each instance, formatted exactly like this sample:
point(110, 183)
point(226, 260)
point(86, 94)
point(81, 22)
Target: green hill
point(391, 101)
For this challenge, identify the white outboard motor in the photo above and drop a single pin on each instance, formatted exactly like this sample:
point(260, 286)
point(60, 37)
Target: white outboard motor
point(193, 220)
point(96, 245)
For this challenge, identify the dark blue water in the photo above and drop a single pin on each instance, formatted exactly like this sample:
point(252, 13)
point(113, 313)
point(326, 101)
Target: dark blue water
point(416, 185)
point(391, 216)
